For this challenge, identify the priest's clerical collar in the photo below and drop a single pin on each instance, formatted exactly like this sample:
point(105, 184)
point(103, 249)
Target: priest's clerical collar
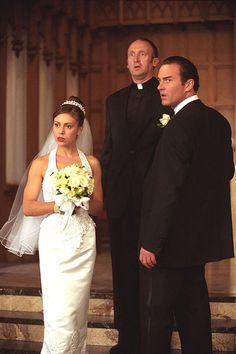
point(145, 84)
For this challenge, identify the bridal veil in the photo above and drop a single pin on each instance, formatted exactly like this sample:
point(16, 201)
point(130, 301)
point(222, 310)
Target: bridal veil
point(20, 233)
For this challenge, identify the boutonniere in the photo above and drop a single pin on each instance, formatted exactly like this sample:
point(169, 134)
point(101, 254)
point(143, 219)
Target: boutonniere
point(163, 121)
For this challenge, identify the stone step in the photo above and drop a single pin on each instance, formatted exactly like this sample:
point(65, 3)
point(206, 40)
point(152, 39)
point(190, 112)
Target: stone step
point(30, 300)
point(222, 307)
point(19, 347)
point(24, 347)
point(21, 318)
point(28, 326)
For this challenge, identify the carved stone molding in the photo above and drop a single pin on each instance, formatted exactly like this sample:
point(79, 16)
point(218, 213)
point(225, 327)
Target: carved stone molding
point(17, 19)
point(17, 45)
point(125, 12)
point(73, 45)
point(60, 41)
point(3, 26)
point(33, 20)
point(47, 33)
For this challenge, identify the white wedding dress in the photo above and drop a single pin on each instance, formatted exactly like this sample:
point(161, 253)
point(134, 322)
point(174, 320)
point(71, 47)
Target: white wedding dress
point(67, 259)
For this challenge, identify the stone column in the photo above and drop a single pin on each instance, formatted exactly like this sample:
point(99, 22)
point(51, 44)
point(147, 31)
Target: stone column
point(233, 182)
point(233, 203)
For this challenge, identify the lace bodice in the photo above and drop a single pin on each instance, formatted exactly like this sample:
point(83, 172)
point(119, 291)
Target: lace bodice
point(78, 224)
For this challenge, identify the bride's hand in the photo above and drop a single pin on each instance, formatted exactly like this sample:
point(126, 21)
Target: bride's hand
point(148, 259)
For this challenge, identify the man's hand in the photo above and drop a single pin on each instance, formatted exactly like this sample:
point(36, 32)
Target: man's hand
point(148, 259)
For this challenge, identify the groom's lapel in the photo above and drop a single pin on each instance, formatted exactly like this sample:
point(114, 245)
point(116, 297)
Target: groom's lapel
point(188, 107)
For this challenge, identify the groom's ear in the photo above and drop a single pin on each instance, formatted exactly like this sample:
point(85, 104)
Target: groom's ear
point(189, 85)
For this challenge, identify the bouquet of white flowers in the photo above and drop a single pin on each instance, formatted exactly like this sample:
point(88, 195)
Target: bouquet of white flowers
point(74, 186)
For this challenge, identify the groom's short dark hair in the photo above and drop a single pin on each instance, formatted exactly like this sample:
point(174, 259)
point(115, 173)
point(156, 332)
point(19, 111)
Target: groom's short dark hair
point(187, 69)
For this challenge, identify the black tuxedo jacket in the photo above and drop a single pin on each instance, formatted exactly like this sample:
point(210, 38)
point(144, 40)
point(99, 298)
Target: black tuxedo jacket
point(186, 215)
point(125, 163)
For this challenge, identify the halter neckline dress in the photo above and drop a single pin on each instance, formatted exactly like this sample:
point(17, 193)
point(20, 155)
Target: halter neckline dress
point(66, 258)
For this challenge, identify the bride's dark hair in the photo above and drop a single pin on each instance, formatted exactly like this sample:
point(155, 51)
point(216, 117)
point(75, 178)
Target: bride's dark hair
point(20, 233)
point(73, 106)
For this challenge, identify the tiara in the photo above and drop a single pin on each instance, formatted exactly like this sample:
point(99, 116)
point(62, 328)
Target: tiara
point(74, 103)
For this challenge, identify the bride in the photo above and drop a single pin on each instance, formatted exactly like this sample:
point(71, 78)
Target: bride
point(66, 236)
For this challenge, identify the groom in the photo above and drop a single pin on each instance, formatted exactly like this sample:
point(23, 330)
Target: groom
point(186, 216)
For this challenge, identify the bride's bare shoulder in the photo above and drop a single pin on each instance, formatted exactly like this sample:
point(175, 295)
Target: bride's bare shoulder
point(92, 159)
point(41, 159)
point(94, 162)
point(40, 163)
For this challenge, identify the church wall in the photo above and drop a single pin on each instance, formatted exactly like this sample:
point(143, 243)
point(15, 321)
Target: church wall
point(39, 70)
point(79, 47)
